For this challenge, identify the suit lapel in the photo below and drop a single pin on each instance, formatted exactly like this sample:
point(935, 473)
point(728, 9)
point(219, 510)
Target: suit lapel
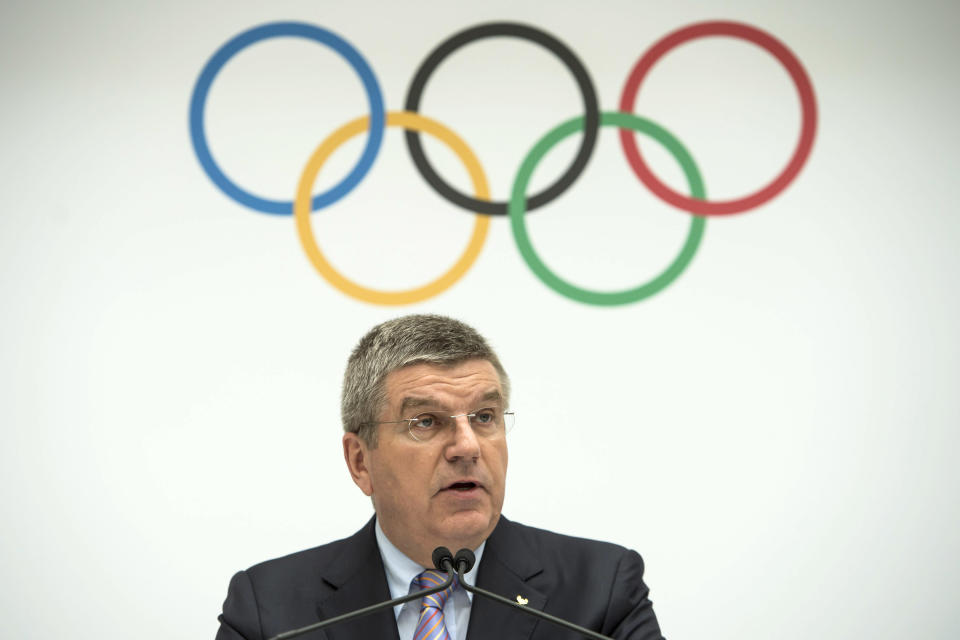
point(507, 566)
point(359, 580)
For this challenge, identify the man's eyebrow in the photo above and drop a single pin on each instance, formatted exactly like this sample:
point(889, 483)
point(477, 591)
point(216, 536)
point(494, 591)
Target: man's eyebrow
point(493, 396)
point(417, 402)
point(414, 402)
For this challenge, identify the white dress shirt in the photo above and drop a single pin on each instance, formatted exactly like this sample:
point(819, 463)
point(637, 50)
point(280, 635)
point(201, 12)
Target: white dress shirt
point(401, 571)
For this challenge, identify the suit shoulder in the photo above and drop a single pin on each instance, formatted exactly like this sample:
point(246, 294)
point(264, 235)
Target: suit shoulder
point(552, 538)
point(565, 548)
point(284, 592)
point(306, 564)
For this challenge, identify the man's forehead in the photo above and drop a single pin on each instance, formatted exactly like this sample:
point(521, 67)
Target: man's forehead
point(464, 370)
point(425, 380)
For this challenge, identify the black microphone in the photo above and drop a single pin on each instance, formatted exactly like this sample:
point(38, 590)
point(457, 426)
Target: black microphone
point(442, 560)
point(464, 561)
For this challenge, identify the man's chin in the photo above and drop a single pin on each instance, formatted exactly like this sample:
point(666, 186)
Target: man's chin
point(466, 529)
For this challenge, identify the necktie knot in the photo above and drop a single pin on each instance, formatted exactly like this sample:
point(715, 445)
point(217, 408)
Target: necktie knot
point(433, 578)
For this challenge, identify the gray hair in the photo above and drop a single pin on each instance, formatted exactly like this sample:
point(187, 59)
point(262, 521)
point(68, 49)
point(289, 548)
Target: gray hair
point(399, 343)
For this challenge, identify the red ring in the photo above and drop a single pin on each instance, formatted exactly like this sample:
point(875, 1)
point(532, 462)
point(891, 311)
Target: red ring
point(808, 107)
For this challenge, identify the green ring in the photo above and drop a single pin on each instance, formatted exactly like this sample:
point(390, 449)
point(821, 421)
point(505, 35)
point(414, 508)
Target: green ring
point(517, 211)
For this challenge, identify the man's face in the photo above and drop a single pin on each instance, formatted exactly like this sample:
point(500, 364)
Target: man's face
point(444, 491)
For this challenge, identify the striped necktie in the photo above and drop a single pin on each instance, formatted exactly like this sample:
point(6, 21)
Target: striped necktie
point(431, 625)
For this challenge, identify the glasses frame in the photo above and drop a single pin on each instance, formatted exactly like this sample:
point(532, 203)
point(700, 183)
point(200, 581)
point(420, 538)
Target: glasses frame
point(469, 416)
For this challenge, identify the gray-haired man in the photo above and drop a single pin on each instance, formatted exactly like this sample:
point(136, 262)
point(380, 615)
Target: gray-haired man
point(425, 412)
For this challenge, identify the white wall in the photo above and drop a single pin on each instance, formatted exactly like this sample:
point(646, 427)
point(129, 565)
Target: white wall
point(775, 432)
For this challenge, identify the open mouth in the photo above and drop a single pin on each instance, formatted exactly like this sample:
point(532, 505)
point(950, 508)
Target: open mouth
point(462, 486)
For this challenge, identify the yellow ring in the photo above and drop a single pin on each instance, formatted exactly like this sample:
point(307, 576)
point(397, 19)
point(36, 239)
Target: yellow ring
point(301, 209)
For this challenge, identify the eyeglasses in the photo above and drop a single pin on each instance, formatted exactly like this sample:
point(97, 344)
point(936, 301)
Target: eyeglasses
point(486, 423)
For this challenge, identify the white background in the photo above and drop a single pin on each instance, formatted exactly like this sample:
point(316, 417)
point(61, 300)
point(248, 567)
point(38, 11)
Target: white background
point(775, 432)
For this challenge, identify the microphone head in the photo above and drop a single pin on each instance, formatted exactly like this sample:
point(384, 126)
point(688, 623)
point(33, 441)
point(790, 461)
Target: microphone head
point(465, 560)
point(442, 558)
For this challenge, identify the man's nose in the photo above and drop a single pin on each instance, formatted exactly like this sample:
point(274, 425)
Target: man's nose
point(465, 443)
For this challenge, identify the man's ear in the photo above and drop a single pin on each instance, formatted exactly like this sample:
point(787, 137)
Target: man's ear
point(356, 454)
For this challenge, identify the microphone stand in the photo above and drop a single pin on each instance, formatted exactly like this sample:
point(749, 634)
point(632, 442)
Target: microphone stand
point(444, 564)
point(463, 565)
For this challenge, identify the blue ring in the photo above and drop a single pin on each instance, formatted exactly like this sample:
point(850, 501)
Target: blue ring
point(271, 30)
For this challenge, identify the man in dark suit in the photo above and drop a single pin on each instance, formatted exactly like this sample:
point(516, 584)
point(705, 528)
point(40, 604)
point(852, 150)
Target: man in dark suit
point(424, 409)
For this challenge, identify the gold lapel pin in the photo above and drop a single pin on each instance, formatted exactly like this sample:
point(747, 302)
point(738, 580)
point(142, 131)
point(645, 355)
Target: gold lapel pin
point(521, 600)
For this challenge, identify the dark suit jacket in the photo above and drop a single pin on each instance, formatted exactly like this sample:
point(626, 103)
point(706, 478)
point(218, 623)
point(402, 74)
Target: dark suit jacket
point(594, 584)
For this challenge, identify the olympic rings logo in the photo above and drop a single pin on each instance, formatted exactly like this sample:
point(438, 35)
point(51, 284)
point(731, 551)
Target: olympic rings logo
point(520, 202)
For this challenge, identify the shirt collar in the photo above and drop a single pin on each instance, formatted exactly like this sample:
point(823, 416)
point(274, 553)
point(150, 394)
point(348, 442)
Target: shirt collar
point(401, 570)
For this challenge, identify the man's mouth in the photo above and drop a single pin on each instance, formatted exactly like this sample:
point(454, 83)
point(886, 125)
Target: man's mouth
point(462, 486)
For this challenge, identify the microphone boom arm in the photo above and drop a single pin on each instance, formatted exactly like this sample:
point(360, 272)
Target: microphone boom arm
point(461, 569)
point(447, 566)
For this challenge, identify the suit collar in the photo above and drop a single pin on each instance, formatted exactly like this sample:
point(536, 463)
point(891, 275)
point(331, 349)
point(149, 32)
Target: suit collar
point(508, 567)
point(358, 580)
point(513, 551)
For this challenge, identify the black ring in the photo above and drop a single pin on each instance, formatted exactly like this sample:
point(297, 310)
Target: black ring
point(591, 123)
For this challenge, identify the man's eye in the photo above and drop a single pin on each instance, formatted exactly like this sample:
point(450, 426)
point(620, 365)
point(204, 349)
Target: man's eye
point(425, 421)
point(485, 416)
